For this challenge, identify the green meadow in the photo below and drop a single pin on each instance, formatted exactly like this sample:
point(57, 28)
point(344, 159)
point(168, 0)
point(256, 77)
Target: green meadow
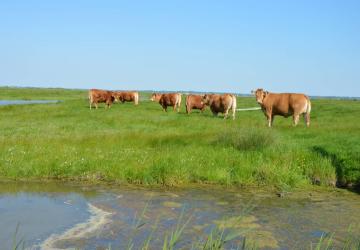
point(144, 145)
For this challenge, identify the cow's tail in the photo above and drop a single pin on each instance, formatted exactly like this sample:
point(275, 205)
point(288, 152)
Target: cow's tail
point(136, 98)
point(308, 110)
point(187, 105)
point(233, 106)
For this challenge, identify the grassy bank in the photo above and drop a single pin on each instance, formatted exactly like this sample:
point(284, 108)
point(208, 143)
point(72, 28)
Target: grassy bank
point(144, 145)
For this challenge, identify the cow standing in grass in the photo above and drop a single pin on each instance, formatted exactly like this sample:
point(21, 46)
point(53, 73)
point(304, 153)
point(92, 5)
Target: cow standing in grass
point(127, 96)
point(283, 104)
point(155, 97)
point(98, 96)
point(168, 99)
point(194, 102)
point(221, 103)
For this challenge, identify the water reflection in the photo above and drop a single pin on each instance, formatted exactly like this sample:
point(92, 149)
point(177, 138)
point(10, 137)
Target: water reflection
point(23, 102)
point(45, 209)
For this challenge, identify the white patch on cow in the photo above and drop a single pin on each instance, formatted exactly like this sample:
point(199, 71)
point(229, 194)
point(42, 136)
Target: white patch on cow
point(304, 109)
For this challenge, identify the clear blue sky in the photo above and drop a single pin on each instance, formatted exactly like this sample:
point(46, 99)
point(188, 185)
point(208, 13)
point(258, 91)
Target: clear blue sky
point(232, 46)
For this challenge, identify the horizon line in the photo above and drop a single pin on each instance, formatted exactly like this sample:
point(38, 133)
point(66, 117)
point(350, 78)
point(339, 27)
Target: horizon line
point(169, 91)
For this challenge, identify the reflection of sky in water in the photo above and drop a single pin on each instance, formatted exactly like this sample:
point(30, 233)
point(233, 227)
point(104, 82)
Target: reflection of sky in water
point(289, 221)
point(22, 102)
point(38, 216)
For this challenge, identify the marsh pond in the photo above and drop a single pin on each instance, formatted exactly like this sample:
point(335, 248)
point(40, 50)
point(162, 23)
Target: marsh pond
point(68, 216)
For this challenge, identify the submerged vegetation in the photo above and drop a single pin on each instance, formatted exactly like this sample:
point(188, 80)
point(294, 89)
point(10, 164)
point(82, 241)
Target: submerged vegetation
point(144, 145)
point(240, 232)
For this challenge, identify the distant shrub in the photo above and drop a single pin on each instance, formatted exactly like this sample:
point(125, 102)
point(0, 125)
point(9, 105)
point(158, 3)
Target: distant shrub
point(247, 139)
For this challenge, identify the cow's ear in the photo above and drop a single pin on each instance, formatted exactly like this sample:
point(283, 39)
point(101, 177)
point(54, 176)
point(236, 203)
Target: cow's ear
point(265, 93)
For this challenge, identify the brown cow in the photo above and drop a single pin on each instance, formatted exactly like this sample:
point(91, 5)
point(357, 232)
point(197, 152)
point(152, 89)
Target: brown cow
point(221, 103)
point(127, 96)
point(194, 102)
point(168, 99)
point(97, 95)
point(155, 97)
point(284, 104)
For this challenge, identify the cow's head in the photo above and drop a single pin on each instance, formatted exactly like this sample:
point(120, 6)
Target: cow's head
point(155, 97)
point(115, 95)
point(205, 99)
point(260, 95)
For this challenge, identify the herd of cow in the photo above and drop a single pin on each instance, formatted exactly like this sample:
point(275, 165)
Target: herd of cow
point(283, 104)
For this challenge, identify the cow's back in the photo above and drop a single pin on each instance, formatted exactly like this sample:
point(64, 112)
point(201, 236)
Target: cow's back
point(219, 103)
point(99, 95)
point(169, 99)
point(194, 101)
point(286, 104)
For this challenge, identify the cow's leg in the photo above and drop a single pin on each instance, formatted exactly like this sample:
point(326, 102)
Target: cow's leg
point(90, 105)
point(96, 105)
point(295, 119)
point(307, 119)
point(272, 119)
point(174, 108)
point(226, 113)
point(269, 119)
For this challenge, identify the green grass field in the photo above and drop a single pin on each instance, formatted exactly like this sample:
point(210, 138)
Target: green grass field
point(144, 145)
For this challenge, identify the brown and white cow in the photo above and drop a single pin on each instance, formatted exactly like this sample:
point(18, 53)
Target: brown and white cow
point(168, 99)
point(127, 96)
point(155, 97)
point(97, 96)
point(221, 103)
point(283, 104)
point(194, 102)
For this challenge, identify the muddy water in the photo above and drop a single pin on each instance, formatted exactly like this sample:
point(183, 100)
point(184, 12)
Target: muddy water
point(65, 216)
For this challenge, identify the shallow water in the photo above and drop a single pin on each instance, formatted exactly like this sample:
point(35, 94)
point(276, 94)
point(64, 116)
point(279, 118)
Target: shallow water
point(61, 216)
point(23, 102)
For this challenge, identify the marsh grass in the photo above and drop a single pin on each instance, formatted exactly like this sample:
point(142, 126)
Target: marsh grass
point(17, 243)
point(327, 243)
point(245, 139)
point(221, 237)
point(215, 240)
point(143, 145)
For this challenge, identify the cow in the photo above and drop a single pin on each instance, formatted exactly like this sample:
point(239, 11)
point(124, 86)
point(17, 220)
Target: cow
point(283, 104)
point(194, 102)
point(127, 96)
point(155, 97)
point(221, 103)
point(168, 99)
point(97, 96)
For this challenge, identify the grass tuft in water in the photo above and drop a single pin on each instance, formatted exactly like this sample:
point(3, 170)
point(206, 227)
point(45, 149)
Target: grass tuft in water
point(18, 244)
